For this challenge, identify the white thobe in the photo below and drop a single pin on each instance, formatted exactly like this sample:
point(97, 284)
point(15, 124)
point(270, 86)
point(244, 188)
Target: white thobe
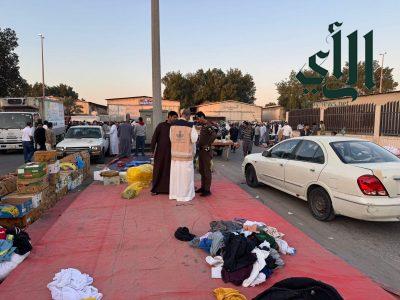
point(114, 139)
point(181, 182)
point(263, 131)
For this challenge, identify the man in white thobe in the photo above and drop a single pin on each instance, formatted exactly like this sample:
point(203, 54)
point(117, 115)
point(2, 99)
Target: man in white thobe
point(263, 131)
point(183, 136)
point(114, 139)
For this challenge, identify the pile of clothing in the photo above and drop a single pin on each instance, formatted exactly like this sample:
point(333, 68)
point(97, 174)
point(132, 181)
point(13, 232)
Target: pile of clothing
point(15, 246)
point(72, 284)
point(241, 251)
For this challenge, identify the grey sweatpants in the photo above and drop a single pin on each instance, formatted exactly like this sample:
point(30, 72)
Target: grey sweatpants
point(247, 147)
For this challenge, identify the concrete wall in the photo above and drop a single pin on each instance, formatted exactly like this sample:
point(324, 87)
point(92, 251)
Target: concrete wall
point(233, 111)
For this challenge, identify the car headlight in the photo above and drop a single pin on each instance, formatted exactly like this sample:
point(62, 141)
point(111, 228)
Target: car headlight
point(60, 149)
point(95, 148)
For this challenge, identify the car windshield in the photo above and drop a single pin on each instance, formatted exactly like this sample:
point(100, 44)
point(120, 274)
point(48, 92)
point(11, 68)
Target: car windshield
point(14, 120)
point(357, 152)
point(83, 133)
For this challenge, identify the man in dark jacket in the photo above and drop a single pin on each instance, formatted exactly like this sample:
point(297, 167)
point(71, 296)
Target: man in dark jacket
point(40, 136)
point(234, 133)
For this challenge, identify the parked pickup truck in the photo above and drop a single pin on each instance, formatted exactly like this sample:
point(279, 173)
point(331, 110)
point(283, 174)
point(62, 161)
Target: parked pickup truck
point(80, 138)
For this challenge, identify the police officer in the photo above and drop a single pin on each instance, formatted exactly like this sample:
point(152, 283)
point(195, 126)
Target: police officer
point(206, 138)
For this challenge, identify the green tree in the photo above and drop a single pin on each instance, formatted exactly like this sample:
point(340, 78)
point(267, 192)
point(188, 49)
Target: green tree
point(209, 86)
point(71, 107)
point(270, 104)
point(11, 82)
point(178, 87)
point(291, 91)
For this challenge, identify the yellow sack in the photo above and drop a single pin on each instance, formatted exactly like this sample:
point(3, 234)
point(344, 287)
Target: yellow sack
point(67, 166)
point(143, 174)
point(132, 190)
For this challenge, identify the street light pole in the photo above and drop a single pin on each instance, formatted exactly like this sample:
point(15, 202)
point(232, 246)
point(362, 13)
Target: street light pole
point(381, 80)
point(43, 86)
point(156, 65)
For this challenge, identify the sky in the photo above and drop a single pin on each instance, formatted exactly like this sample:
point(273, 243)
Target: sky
point(103, 48)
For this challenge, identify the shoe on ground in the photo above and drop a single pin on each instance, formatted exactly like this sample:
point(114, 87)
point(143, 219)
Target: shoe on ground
point(154, 194)
point(205, 194)
point(200, 190)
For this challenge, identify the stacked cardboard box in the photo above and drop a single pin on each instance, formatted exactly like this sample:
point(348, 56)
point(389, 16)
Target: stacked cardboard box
point(8, 184)
point(32, 178)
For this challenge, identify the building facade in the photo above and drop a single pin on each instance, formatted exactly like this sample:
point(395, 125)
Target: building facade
point(91, 108)
point(273, 113)
point(133, 105)
point(232, 111)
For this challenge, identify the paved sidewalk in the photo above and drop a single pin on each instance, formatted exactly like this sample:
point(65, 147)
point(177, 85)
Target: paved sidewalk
point(128, 247)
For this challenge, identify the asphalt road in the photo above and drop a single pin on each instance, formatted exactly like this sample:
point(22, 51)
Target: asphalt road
point(371, 247)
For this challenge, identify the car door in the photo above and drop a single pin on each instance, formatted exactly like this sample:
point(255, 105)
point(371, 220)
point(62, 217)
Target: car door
point(304, 167)
point(271, 168)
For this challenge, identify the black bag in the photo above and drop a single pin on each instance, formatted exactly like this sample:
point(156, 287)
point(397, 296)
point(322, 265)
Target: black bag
point(300, 288)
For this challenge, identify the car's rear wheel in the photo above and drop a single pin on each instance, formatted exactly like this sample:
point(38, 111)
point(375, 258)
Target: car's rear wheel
point(320, 204)
point(251, 176)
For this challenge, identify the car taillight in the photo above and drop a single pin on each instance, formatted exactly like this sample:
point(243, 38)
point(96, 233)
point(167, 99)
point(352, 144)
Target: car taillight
point(371, 185)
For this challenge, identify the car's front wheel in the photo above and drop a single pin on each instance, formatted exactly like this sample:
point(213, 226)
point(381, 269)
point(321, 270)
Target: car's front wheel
point(251, 176)
point(320, 204)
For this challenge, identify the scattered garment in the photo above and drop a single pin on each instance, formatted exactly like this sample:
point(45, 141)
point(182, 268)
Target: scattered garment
point(71, 284)
point(228, 294)
point(284, 247)
point(6, 250)
point(22, 243)
point(6, 267)
point(272, 231)
point(275, 255)
point(237, 252)
point(300, 288)
point(195, 242)
point(258, 265)
point(236, 277)
point(205, 244)
point(261, 277)
point(225, 226)
point(263, 236)
point(183, 234)
point(217, 242)
point(216, 264)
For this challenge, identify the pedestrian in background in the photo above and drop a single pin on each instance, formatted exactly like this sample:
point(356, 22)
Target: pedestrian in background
point(321, 128)
point(27, 142)
point(247, 138)
point(287, 131)
point(161, 147)
point(257, 134)
point(234, 133)
point(140, 136)
point(125, 134)
point(114, 139)
point(206, 138)
point(40, 136)
point(50, 137)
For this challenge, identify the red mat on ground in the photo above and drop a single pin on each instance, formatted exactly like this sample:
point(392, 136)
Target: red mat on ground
point(128, 247)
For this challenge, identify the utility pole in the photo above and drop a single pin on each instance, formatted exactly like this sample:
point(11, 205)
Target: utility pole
point(156, 65)
point(381, 80)
point(43, 86)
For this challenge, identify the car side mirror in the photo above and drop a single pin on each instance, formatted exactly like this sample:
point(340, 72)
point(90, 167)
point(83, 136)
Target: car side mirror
point(266, 153)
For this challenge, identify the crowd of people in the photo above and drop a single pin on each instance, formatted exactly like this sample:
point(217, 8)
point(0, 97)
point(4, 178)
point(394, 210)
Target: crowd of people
point(40, 137)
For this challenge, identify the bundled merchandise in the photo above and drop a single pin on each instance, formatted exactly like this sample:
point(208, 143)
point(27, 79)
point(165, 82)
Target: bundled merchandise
point(142, 173)
point(240, 251)
point(8, 184)
point(72, 284)
point(110, 177)
point(15, 246)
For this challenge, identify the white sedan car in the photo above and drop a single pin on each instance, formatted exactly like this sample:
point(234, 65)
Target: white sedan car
point(337, 175)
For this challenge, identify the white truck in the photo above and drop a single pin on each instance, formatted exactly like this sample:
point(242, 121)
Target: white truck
point(16, 112)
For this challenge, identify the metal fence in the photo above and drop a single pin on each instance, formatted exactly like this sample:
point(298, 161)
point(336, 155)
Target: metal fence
point(304, 116)
point(390, 119)
point(357, 119)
